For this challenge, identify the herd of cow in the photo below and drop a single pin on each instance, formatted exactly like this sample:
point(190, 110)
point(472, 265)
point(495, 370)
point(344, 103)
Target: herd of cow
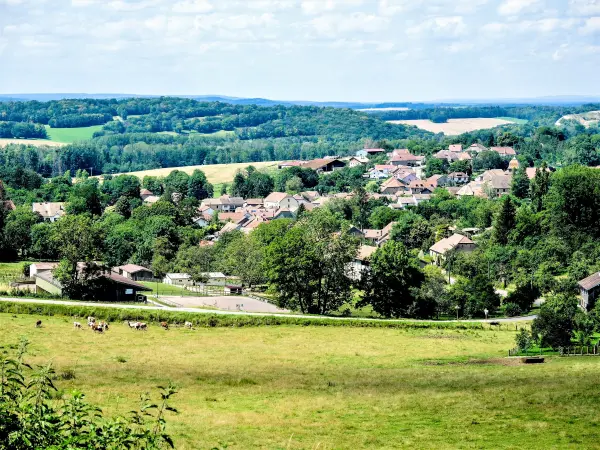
point(102, 326)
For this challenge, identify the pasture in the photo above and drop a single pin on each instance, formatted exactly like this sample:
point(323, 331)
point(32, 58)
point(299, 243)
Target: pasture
point(69, 135)
point(455, 127)
point(215, 173)
point(296, 387)
point(35, 142)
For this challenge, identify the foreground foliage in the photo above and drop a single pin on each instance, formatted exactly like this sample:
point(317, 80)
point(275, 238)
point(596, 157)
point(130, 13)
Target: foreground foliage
point(32, 416)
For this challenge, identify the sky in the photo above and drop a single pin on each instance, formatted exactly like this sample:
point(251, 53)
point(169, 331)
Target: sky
point(324, 50)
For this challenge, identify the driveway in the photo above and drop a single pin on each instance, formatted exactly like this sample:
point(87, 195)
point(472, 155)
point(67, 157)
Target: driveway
point(226, 303)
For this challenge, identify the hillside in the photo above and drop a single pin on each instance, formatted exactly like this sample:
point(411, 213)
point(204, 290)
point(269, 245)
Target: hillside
point(586, 119)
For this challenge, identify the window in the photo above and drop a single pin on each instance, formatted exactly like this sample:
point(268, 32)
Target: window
point(128, 291)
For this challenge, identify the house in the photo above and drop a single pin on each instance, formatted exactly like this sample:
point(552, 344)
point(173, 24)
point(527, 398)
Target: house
point(420, 187)
point(357, 161)
point(455, 178)
point(436, 180)
point(403, 157)
point(360, 263)
point(477, 148)
point(133, 272)
point(224, 203)
point(589, 289)
point(456, 242)
point(178, 279)
point(324, 165)
point(110, 286)
point(457, 148)
point(496, 182)
point(464, 156)
point(530, 171)
point(447, 155)
point(473, 189)
point(151, 199)
point(254, 203)
point(145, 193)
point(381, 171)
point(279, 200)
point(393, 186)
point(504, 151)
point(405, 175)
point(366, 152)
point(229, 227)
point(379, 237)
point(50, 211)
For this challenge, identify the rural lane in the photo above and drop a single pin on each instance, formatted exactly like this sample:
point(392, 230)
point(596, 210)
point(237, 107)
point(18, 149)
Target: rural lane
point(235, 313)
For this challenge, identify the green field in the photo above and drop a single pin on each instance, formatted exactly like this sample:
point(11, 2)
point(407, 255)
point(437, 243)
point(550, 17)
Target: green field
point(69, 135)
point(514, 120)
point(166, 289)
point(295, 387)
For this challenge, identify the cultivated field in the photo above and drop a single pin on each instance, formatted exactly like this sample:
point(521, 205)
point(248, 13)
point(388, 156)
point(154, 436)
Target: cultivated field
point(295, 387)
point(455, 126)
point(216, 173)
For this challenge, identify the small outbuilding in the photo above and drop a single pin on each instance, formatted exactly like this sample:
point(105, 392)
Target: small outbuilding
point(589, 289)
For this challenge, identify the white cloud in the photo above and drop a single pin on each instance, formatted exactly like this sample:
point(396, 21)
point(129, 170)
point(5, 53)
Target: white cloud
point(439, 26)
point(442, 7)
point(239, 22)
point(584, 7)
point(192, 6)
point(332, 25)
point(322, 6)
point(458, 47)
point(271, 5)
point(591, 26)
point(516, 7)
point(560, 52)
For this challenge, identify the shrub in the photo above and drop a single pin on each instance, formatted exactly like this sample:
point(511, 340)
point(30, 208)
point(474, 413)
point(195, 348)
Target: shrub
point(523, 340)
point(512, 310)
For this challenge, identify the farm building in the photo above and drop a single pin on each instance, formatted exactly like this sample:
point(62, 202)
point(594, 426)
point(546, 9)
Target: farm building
point(278, 200)
point(108, 286)
point(324, 165)
point(133, 272)
point(364, 153)
point(233, 290)
point(178, 279)
point(361, 262)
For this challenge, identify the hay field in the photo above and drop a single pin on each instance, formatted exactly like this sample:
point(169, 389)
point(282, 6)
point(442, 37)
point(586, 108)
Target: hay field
point(455, 127)
point(216, 173)
point(296, 387)
point(69, 135)
point(36, 142)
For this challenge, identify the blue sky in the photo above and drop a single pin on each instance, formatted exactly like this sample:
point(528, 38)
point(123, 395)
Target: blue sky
point(354, 50)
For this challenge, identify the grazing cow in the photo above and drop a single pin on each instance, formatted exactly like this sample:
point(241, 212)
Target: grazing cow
point(91, 319)
point(98, 328)
point(189, 325)
point(133, 325)
point(104, 325)
point(142, 326)
point(77, 325)
point(38, 324)
point(165, 325)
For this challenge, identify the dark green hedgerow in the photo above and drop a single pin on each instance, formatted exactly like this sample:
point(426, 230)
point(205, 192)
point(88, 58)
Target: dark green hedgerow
point(214, 320)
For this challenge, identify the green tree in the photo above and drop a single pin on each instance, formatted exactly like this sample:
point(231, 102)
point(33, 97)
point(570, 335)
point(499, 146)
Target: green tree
point(390, 283)
point(198, 186)
point(473, 296)
point(436, 166)
point(520, 183)
point(504, 221)
point(555, 322)
point(18, 228)
point(540, 186)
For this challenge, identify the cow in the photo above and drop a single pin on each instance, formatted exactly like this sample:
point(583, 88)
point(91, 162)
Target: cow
point(91, 319)
point(77, 325)
point(38, 324)
point(189, 325)
point(98, 329)
point(104, 325)
point(165, 325)
point(142, 326)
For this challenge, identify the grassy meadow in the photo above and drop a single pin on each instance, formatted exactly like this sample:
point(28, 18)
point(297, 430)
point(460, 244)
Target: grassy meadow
point(68, 135)
point(295, 387)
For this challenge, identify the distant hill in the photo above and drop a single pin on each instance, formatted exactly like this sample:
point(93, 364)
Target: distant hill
point(573, 100)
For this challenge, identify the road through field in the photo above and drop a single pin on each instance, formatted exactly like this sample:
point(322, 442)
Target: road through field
point(234, 313)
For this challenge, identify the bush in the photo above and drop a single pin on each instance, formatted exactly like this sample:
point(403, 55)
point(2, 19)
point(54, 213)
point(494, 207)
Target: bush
point(523, 339)
point(512, 310)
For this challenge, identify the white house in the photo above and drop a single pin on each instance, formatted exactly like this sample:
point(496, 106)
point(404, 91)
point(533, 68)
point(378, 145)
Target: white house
point(361, 262)
point(50, 211)
point(281, 200)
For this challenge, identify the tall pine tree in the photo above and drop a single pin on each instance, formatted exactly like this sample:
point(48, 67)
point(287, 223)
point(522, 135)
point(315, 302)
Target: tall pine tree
point(540, 186)
point(504, 221)
point(520, 183)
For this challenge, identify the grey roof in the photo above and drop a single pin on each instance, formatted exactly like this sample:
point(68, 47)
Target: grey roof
point(590, 282)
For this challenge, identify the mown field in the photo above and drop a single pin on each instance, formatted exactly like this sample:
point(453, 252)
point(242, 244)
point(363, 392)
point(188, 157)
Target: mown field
point(296, 387)
point(216, 173)
point(68, 135)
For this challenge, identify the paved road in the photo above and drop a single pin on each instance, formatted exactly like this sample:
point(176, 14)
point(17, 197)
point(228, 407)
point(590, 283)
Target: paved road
point(235, 313)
